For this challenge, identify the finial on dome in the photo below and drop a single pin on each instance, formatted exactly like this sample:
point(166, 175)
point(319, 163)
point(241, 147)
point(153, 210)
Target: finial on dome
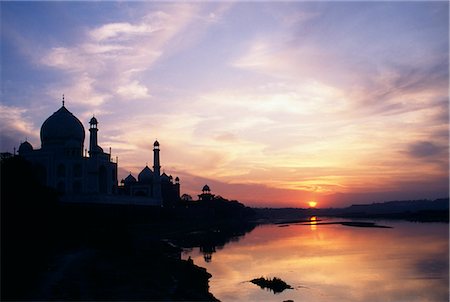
point(63, 100)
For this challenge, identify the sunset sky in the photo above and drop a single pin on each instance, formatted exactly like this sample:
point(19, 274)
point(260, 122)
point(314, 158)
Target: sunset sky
point(270, 103)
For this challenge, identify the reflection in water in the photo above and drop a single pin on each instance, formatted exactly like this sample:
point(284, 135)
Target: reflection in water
point(209, 241)
point(313, 223)
point(408, 262)
point(207, 251)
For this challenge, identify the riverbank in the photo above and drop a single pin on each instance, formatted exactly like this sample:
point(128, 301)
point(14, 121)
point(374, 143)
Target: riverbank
point(112, 252)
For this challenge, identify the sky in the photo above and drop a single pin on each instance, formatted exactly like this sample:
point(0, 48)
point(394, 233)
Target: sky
point(270, 103)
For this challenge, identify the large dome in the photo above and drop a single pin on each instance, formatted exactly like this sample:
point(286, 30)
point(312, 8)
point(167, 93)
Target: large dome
point(62, 127)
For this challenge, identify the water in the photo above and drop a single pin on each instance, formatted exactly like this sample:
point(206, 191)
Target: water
point(408, 262)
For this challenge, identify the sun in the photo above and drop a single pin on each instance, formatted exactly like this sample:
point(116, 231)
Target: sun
point(312, 204)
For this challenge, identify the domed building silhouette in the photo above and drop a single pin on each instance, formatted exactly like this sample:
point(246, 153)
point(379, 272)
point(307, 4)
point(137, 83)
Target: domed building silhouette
point(92, 176)
point(206, 194)
point(152, 184)
point(60, 163)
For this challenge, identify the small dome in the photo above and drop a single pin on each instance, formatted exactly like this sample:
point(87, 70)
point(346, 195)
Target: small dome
point(156, 144)
point(129, 179)
point(177, 178)
point(60, 127)
point(93, 120)
point(206, 188)
point(146, 175)
point(25, 147)
point(165, 178)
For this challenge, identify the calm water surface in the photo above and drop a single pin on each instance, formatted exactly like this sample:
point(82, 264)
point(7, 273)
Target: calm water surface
point(408, 262)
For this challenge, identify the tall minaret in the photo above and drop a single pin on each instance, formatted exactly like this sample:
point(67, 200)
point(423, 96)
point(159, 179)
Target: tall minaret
point(156, 172)
point(93, 145)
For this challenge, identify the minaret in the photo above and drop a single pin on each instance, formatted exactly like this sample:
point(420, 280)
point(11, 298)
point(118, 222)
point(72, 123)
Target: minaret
point(93, 145)
point(177, 188)
point(156, 172)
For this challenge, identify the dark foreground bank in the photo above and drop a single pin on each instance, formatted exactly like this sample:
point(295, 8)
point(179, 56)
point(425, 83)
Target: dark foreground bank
point(98, 252)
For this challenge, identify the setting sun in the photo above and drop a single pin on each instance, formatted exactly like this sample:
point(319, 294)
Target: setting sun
point(312, 204)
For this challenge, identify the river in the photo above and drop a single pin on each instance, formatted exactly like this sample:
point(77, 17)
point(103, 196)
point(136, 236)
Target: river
point(333, 262)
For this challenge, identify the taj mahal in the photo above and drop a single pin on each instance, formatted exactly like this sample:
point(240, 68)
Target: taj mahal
point(90, 175)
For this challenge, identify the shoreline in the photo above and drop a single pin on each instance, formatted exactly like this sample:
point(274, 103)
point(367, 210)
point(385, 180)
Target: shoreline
point(103, 252)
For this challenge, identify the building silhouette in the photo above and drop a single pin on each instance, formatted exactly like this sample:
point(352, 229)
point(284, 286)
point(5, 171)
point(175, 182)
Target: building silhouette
point(152, 184)
point(206, 194)
point(60, 162)
point(91, 175)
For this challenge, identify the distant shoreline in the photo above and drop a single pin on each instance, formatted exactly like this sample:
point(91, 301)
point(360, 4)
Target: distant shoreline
point(416, 210)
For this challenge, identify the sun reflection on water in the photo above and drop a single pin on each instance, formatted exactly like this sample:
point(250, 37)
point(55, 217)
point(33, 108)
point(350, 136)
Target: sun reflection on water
point(313, 223)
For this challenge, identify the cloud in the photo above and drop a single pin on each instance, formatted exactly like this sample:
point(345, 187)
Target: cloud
point(226, 137)
point(433, 267)
point(298, 17)
point(399, 89)
point(81, 92)
point(125, 31)
point(109, 62)
point(388, 89)
point(133, 90)
point(426, 149)
point(15, 127)
point(391, 74)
